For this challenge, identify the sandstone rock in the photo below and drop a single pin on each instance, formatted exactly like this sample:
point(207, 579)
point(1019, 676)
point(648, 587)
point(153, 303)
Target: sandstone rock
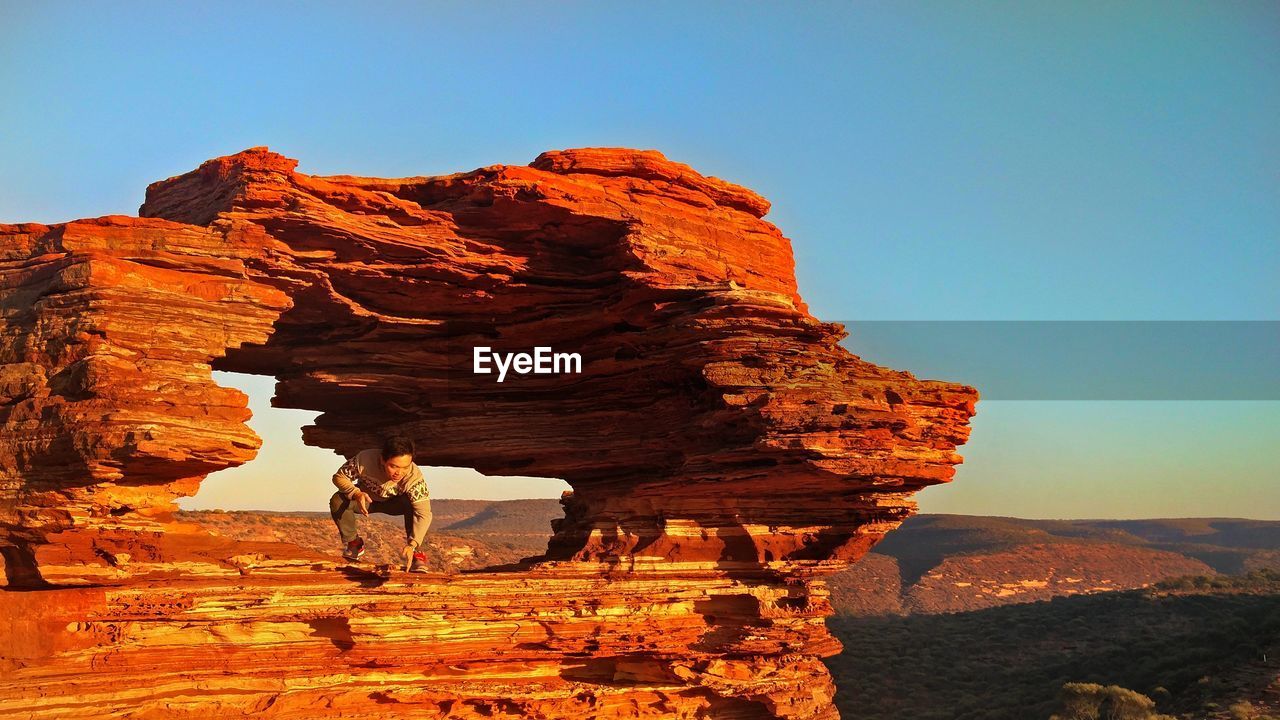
point(725, 451)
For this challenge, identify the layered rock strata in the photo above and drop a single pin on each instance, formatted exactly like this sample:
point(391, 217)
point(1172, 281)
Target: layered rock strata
point(725, 451)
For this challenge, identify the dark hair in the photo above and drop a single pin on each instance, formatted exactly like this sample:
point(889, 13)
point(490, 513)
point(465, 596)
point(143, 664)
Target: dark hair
point(395, 446)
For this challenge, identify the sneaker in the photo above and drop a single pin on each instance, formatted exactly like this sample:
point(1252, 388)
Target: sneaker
point(354, 549)
point(419, 563)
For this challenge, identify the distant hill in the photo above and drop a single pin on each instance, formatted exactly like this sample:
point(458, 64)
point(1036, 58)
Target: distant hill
point(1227, 545)
point(511, 517)
point(950, 563)
point(522, 523)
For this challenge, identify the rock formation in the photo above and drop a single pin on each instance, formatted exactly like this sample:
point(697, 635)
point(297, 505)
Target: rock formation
point(725, 452)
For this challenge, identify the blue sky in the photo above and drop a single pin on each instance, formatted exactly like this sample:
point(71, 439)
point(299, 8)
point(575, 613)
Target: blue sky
point(931, 161)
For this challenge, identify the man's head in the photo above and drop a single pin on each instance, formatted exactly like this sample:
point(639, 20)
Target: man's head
point(397, 457)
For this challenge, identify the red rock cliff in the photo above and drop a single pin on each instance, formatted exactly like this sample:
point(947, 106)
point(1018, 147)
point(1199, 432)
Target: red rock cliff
point(725, 452)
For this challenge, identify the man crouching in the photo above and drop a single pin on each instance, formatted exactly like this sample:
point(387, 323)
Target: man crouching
point(386, 481)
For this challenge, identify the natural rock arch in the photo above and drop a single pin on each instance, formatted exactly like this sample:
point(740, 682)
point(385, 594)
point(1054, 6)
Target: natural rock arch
point(718, 434)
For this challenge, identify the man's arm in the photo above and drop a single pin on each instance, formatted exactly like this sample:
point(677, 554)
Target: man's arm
point(421, 520)
point(416, 489)
point(345, 478)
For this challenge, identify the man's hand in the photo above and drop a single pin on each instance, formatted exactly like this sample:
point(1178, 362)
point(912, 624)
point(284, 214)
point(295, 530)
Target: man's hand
point(407, 555)
point(363, 500)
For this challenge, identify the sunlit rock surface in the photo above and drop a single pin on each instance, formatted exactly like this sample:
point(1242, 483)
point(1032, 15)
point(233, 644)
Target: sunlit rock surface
point(725, 451)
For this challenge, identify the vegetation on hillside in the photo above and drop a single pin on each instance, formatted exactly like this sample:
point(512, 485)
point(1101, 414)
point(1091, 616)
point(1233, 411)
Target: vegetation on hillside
point(1193, 652)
